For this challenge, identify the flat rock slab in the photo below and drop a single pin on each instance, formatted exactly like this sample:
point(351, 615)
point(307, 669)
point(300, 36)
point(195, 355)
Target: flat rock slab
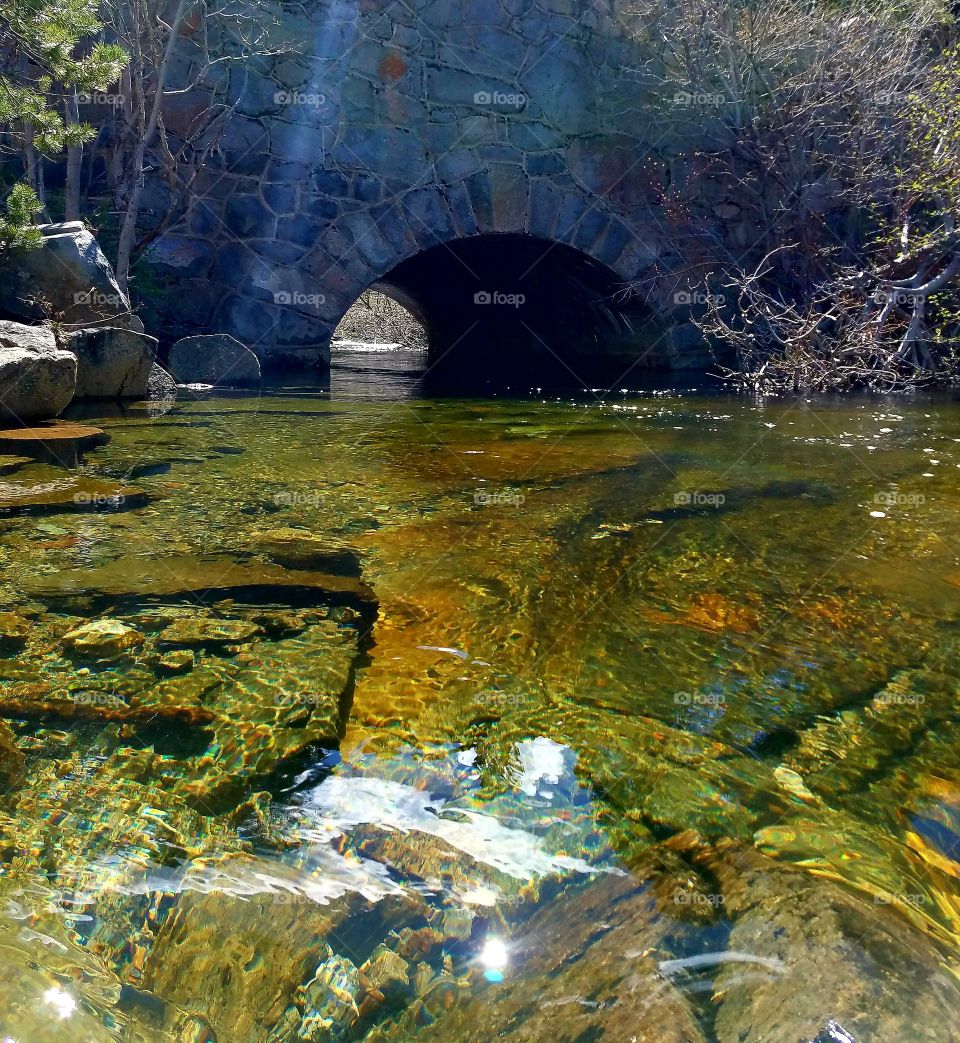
point(57, 440)
point(189, 574)
point(103, 639)
point(826, 963)
point(80, 493)
point(300, 549)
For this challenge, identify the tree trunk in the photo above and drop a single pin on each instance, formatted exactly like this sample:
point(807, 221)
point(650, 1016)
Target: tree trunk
point(71, 202)
point(128, 231)
point(33, 164)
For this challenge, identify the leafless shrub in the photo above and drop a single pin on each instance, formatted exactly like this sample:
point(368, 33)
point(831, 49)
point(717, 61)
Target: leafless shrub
point(836, 255)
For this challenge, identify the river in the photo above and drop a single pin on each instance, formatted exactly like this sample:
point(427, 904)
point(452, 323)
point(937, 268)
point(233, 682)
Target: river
point(353, 713)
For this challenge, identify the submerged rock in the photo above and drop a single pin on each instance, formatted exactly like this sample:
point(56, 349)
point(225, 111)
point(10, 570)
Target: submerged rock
point(14, 630)
point(11, 758)
point(815, 955)
point(186, 573)
point(248, 947)
point(57, 440)
point(103, 639)
point(301, 549)
point(176, 661)
point(37, 379)
point(387, 974)
point(214, 359)
point(111, 363)
point(581, 969)
point(328, 1002)
point(79, 493)
point(205, 631)
point(12, 464)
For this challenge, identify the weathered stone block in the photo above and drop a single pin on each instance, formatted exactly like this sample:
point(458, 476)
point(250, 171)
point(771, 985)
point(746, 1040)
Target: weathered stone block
point(253, 94)
point(281, 199)
point(329, 182)
point(509, 197)
point(247, 217)
point(188, 257)
point(392, 151)
point(428, 217)
point(563, 91)
point(480, 193)
point(458, 202)
point(545, 163)
point(544, 207)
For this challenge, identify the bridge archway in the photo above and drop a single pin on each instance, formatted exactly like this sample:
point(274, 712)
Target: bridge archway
point(501, 308)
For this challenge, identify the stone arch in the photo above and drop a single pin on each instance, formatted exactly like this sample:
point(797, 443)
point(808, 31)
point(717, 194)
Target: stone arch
point(389, 129)
point(295, 305)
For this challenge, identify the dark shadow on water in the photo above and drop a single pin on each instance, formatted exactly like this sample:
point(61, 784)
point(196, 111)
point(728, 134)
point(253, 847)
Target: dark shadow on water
point(378, 374)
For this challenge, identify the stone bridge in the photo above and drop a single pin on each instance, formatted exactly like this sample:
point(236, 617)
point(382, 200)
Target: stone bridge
point(498, 166)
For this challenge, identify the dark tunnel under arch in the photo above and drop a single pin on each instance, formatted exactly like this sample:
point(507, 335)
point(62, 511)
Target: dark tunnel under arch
point(505, 308)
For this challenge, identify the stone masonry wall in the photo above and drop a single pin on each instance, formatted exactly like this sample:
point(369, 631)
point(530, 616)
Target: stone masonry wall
point(389, 127)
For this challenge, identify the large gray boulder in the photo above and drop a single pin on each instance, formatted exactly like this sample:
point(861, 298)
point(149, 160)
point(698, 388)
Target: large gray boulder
point(216, 358)
point(68, 279)
point(37, 379)
point(111, 363)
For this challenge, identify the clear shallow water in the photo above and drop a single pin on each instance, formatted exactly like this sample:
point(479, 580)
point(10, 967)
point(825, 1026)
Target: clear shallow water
point(466, 719)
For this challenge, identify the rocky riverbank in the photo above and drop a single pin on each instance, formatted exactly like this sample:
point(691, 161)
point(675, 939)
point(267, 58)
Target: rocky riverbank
point(69, 335)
